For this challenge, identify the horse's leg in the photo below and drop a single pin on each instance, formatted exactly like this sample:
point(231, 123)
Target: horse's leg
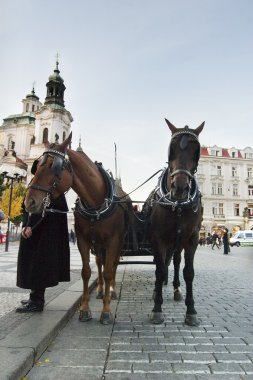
point(191, 314)
point(114, 295)
point(111, 262)
point(156, 315)
point(100, 280)
point(176, 280)
point(85, 313)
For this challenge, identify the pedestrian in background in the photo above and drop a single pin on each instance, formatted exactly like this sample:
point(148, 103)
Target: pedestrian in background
point(44, 254)
point(215, 240)
point(225, 241)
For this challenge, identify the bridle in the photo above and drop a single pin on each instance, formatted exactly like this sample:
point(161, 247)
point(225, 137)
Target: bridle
point(60, 163)
point(163, 195)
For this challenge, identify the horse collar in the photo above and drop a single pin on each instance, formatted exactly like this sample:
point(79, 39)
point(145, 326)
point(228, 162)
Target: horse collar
point(109, 204)
point(162, 195)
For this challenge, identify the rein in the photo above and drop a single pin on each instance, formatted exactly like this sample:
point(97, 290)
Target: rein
point(60, 162)
point(124, 196)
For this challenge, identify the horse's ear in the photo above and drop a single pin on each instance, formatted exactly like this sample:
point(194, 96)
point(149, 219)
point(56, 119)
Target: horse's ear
point(171, 126)
point(199, 129)
point(46, 144)
point(67, 142)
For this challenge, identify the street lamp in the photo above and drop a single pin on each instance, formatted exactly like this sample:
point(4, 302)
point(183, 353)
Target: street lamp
point(11, 173)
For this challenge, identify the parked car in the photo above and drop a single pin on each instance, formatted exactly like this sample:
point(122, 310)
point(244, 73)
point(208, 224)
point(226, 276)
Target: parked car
point(242, 238)
point(2, 238)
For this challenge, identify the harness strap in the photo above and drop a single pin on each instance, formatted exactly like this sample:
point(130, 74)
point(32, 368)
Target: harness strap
point(124, 196)
point(184, 171)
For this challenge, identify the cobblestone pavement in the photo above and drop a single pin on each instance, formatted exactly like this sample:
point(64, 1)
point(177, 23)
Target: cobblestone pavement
point(221, 347)
point(10, 295)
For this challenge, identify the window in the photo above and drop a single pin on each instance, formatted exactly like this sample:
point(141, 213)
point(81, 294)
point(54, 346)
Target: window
point(217, 208)
point(236, 209)
point(250, 190)
point(219, 187)
point(249, 172)
point(218, 170)
point(220, 208)
point(250, 208)
point(27, 107)
point(248, 155)
point(33, 107)
point(234, 171)
point(233, 155)
point(235, 189)
point(45, 135)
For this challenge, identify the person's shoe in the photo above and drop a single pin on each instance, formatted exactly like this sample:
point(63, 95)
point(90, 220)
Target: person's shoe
point(29, 307)
point(24, 302)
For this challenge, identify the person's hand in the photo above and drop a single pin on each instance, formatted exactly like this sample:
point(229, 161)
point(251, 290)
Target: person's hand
point(26, 232)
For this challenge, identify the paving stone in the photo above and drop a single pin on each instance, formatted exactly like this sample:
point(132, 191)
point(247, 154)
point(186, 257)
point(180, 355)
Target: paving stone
point(198, 358)
point(232, 358)
point(248, 368)
point(152, 368)
point(191, 368)
point(162, 357)
point(226, 368)
point(128, 357)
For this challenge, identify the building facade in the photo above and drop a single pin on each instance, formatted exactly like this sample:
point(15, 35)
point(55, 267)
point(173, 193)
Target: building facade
point(24, 135)
point(225, 178)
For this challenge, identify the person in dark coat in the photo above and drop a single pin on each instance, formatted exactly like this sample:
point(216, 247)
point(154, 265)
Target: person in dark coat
point(225, 241)
point(44, 254)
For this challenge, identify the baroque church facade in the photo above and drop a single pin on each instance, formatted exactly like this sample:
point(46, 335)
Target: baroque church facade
point(25, 134)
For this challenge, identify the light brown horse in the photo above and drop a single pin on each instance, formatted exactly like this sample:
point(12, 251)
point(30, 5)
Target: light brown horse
point(101, 222)
point(175, 219)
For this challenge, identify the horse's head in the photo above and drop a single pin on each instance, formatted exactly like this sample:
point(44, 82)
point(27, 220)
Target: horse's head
point(53, 176)
point(184, 153)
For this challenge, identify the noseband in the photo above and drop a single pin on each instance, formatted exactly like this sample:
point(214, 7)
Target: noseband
point(59, 164)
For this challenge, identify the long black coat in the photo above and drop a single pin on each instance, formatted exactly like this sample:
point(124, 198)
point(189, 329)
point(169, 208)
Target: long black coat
point(44, 258)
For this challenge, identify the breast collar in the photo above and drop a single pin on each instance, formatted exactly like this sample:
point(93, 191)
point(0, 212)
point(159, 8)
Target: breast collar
point(162, 195)
point(109, 204)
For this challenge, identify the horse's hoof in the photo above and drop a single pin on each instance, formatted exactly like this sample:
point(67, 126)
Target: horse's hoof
point(85, 315)
point(114, 295)
point(178, 295)
point(191, 320)
point(106, 318)
point(156, 317)
point(100, 295)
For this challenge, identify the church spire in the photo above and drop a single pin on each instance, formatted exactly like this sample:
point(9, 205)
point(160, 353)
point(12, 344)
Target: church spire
point(79, 148)
point(55, 87)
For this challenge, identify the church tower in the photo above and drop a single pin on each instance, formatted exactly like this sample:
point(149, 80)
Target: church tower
point(17, 131)
point(53, 121)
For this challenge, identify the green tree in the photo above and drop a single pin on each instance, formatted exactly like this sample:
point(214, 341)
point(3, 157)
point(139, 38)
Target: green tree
point(18, 194)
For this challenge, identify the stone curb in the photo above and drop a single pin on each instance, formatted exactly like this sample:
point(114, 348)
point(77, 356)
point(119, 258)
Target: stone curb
point(23, 346)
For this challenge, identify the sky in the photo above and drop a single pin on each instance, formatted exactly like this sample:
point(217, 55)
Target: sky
point(127, 65)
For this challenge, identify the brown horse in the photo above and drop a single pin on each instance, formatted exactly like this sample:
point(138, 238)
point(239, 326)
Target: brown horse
point(175, 218)
point(100, 220)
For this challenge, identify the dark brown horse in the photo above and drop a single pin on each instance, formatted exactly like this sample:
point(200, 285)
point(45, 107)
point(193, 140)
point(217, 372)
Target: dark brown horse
point(176, 216)
point(100, 221)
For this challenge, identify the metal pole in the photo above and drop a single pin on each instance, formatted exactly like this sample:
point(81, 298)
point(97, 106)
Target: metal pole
point(9, 218)
point(115, 154)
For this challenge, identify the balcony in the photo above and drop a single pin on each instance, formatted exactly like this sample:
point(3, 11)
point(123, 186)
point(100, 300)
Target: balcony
point(219, 216)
